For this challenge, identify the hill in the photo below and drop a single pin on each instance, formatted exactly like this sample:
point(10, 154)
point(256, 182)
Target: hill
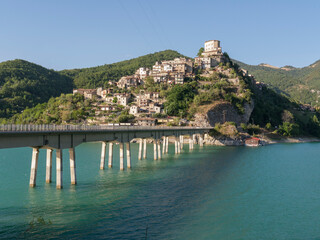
point(24, 84)
point(302, 84)
point(97, 76)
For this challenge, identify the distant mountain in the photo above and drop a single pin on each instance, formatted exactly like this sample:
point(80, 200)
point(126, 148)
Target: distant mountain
point(24, 84)
point(301, 84)
point(97, 76)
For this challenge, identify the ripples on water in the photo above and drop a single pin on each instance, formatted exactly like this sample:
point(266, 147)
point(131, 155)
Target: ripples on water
point(271, 192)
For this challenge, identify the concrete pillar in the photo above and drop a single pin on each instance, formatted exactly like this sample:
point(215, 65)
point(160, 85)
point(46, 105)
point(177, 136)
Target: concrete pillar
point(190, 142)
point(128, 155)
point(164, 145)
point(103, 155)
point(121, 156)
point(144, 148)
point(59, 169)
point(154, 149)
point(181, 142)
point(167, 144)
point(159, 149)
point(194, 138)
point(34, 167)
point(73, 175)
point(201, 140)
point(179, 148)
point(49, 166)
point(110, 160)
point(140, 149)
point(175, 145)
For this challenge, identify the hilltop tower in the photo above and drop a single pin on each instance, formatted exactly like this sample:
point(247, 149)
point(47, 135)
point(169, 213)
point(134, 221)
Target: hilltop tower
point(211, 56)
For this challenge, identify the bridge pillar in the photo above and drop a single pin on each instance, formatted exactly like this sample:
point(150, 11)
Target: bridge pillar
point(164, 142)
point(73, 166)
point(128, 155)
point(34, 167)
point(110, 160)
point(49, 166)
point(155, 149)
point(140, 149)
point(59, 168)
point(103, 155)
point(181, 142)
point(190, 143)
point(121, 156)
point(194, 138)
point(144, 148)
point(201, 140)
point(175, 145)
point(159, 148)
point(167, 144)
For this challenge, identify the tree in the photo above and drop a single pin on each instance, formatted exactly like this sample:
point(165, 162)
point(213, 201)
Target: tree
point(287, 116)
point(288, 129)
point(149, 82)
point(179, 98)
point(201, 50)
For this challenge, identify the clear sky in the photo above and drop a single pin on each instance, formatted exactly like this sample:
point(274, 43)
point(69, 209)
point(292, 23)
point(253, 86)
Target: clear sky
point(64, 34)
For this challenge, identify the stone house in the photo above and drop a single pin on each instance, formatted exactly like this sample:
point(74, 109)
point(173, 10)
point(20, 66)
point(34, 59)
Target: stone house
point(87, 93)
point(134, 110)
point(127, 82)
point(179, 78)
point(157, 108)
point(142, 72)
point(142, 101)
point(146, 121)
point(123, 98)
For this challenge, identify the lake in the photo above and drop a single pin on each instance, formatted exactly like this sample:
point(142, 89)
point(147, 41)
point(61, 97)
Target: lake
point(269, 192)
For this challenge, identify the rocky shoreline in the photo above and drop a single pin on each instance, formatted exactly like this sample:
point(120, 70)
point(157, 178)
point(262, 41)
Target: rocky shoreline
point(239, 141)
point(227, 141)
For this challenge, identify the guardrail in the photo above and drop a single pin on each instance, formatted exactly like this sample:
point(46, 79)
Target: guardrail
point(76, 128)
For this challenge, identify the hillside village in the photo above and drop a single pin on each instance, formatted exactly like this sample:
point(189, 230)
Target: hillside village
point(132, 94)
point(163, 88)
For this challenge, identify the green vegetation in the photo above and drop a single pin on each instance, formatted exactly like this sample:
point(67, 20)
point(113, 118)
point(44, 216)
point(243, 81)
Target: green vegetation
point(201, 50)
point(25, 87)
point(179, 98)
point(24, 84)
point(225, 129)
point(64, 109)
point(300, 84)
point(288, 129)
point(125, 117)
point(98, 76)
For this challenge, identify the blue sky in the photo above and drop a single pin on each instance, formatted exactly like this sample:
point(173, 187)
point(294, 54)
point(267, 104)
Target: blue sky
point(64, 34)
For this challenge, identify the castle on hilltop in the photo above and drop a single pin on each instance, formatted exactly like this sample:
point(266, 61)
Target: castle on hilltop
point(211, 56)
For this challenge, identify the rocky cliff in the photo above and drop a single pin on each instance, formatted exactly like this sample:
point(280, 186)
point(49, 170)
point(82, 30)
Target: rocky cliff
point(209, 115)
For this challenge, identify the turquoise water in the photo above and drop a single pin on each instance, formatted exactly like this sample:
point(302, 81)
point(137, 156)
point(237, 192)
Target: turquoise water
point(270, 192)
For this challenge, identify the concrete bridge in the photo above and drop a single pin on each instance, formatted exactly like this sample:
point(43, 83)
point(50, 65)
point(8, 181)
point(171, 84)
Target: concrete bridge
point(58, 137)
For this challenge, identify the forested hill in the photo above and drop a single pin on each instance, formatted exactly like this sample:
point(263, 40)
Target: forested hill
point(24, 84)
point(301, 84)
point(97, 76)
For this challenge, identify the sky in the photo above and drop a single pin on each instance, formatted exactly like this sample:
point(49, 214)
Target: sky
point(66, 34)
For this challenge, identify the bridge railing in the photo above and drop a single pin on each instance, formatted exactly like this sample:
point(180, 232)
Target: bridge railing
point(75, 128)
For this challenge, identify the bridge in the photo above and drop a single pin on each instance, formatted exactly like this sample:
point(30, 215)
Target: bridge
point(58, 137)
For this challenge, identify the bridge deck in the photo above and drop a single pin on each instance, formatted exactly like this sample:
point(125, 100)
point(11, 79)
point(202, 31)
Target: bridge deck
point(69, 136)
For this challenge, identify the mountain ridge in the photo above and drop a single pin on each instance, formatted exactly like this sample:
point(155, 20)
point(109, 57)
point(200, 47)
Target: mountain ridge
point(301, 84)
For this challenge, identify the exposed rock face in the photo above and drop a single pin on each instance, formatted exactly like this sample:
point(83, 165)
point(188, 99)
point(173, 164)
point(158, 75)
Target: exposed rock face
point(223, 141)
point(223, 112)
